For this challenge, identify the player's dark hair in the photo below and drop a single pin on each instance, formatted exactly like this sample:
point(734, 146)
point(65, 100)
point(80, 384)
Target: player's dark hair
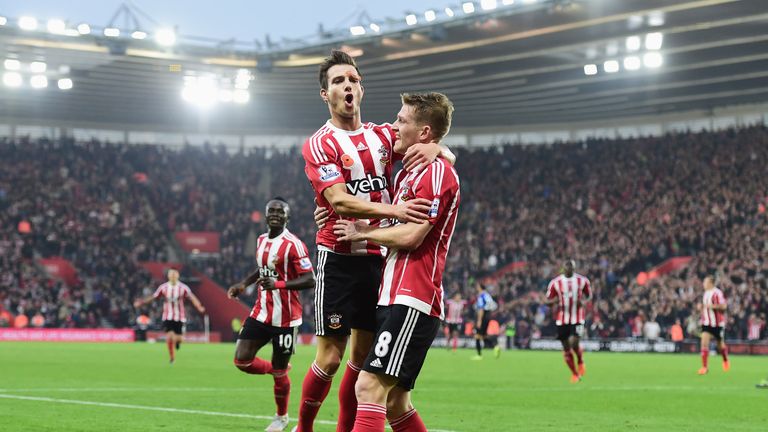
point(432, 109)
point(336, 58)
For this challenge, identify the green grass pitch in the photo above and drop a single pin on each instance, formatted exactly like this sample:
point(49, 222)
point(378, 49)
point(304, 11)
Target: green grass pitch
point(131, 387)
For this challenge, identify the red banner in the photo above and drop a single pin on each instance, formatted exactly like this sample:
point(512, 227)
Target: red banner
point(66, 335)
point(669, 266)
point(197, 337)
point(59, 268)
point(158, 269)
point(198, 242)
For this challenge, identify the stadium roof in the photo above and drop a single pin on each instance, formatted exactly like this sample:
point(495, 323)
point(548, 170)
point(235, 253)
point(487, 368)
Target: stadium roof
point(506, 67)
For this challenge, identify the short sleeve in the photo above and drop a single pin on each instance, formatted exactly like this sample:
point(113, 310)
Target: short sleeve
point(299, 258)
point(551, 291)
point(321, 167)
point(439, 185)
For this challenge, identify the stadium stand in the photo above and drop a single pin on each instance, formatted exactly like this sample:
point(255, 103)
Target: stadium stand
point(101, 205)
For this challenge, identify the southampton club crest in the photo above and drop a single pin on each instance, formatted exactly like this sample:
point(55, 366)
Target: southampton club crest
point(384, 153)
point(334, 321)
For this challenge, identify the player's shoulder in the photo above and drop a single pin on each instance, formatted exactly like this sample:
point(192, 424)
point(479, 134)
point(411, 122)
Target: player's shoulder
point(581, 276)
point(295, 241)
point(377, 126)
point(314, 142)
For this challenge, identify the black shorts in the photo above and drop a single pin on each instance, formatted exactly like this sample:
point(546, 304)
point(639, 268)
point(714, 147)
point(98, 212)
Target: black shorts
point(401, 343)
point(283, 338)
point(453, 327)
point(567, 330)
point(175, 326)
point(483, 329)
point(346, 293)
point(717, 332)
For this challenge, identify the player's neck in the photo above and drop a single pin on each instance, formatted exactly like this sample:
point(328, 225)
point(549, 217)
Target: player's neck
point(347, 124)
point(275, 232)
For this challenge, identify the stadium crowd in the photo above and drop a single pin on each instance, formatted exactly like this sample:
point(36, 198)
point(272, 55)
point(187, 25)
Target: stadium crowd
point(618, 207)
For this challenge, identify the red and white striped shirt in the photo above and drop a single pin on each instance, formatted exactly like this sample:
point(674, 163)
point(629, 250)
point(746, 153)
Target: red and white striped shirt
point(284, 257)
point(362, 160)
point(754, 328)
point(415, 278)
point(174, 295)
point(709, 317)
point(570, 291)
point(455, 311)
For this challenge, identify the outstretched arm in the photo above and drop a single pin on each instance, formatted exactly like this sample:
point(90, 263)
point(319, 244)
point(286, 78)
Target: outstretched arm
point(196, 302)
point(406, 236)
point(346, 204)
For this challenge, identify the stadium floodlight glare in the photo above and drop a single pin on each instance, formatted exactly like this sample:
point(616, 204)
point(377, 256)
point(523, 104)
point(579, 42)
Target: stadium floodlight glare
point(656, 19)
point(507, 2)
point(632, 63)
point(430, 15)
point(165, 37)
point(652, 60)
point(71, 32)
point(375, 27)
point(65, 84)
point(529, 1)
point(56, 26)
point(38, 81)
point(411, 19)
point(468, 7)
point(590, 69)
point(449, 12)
point(138, 34)
point(12, 64)
point(84, 29)
point(243, 79)
point(633, 43)
point(241, 96)
point(28, 23)
point(488, 4)
point(3, 20)
point(611, 66)
point(12, 79)
point(225, 96)
point(38, 67)
point(653, 41)
point(200, 91)
point(111, 32)
point(357, 30)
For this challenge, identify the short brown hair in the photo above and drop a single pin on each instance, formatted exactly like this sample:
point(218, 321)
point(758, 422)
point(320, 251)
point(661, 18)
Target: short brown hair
point(433, 109)
point(336, 58)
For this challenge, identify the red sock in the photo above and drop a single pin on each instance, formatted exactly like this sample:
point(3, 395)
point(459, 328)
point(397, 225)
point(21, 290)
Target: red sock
point(704, 356)
point(455, 343)
point(347, 398)
point(569, 361)
point(408, 422)
point(724, 353)
point(371, 417)
point(315, 388)
point(579, 354)
point(169, 342)
point(257, 366)
point(282, 390)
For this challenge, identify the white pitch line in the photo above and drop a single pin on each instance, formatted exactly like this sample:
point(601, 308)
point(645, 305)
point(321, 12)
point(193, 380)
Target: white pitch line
point(164, 409)
point(125, 389)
